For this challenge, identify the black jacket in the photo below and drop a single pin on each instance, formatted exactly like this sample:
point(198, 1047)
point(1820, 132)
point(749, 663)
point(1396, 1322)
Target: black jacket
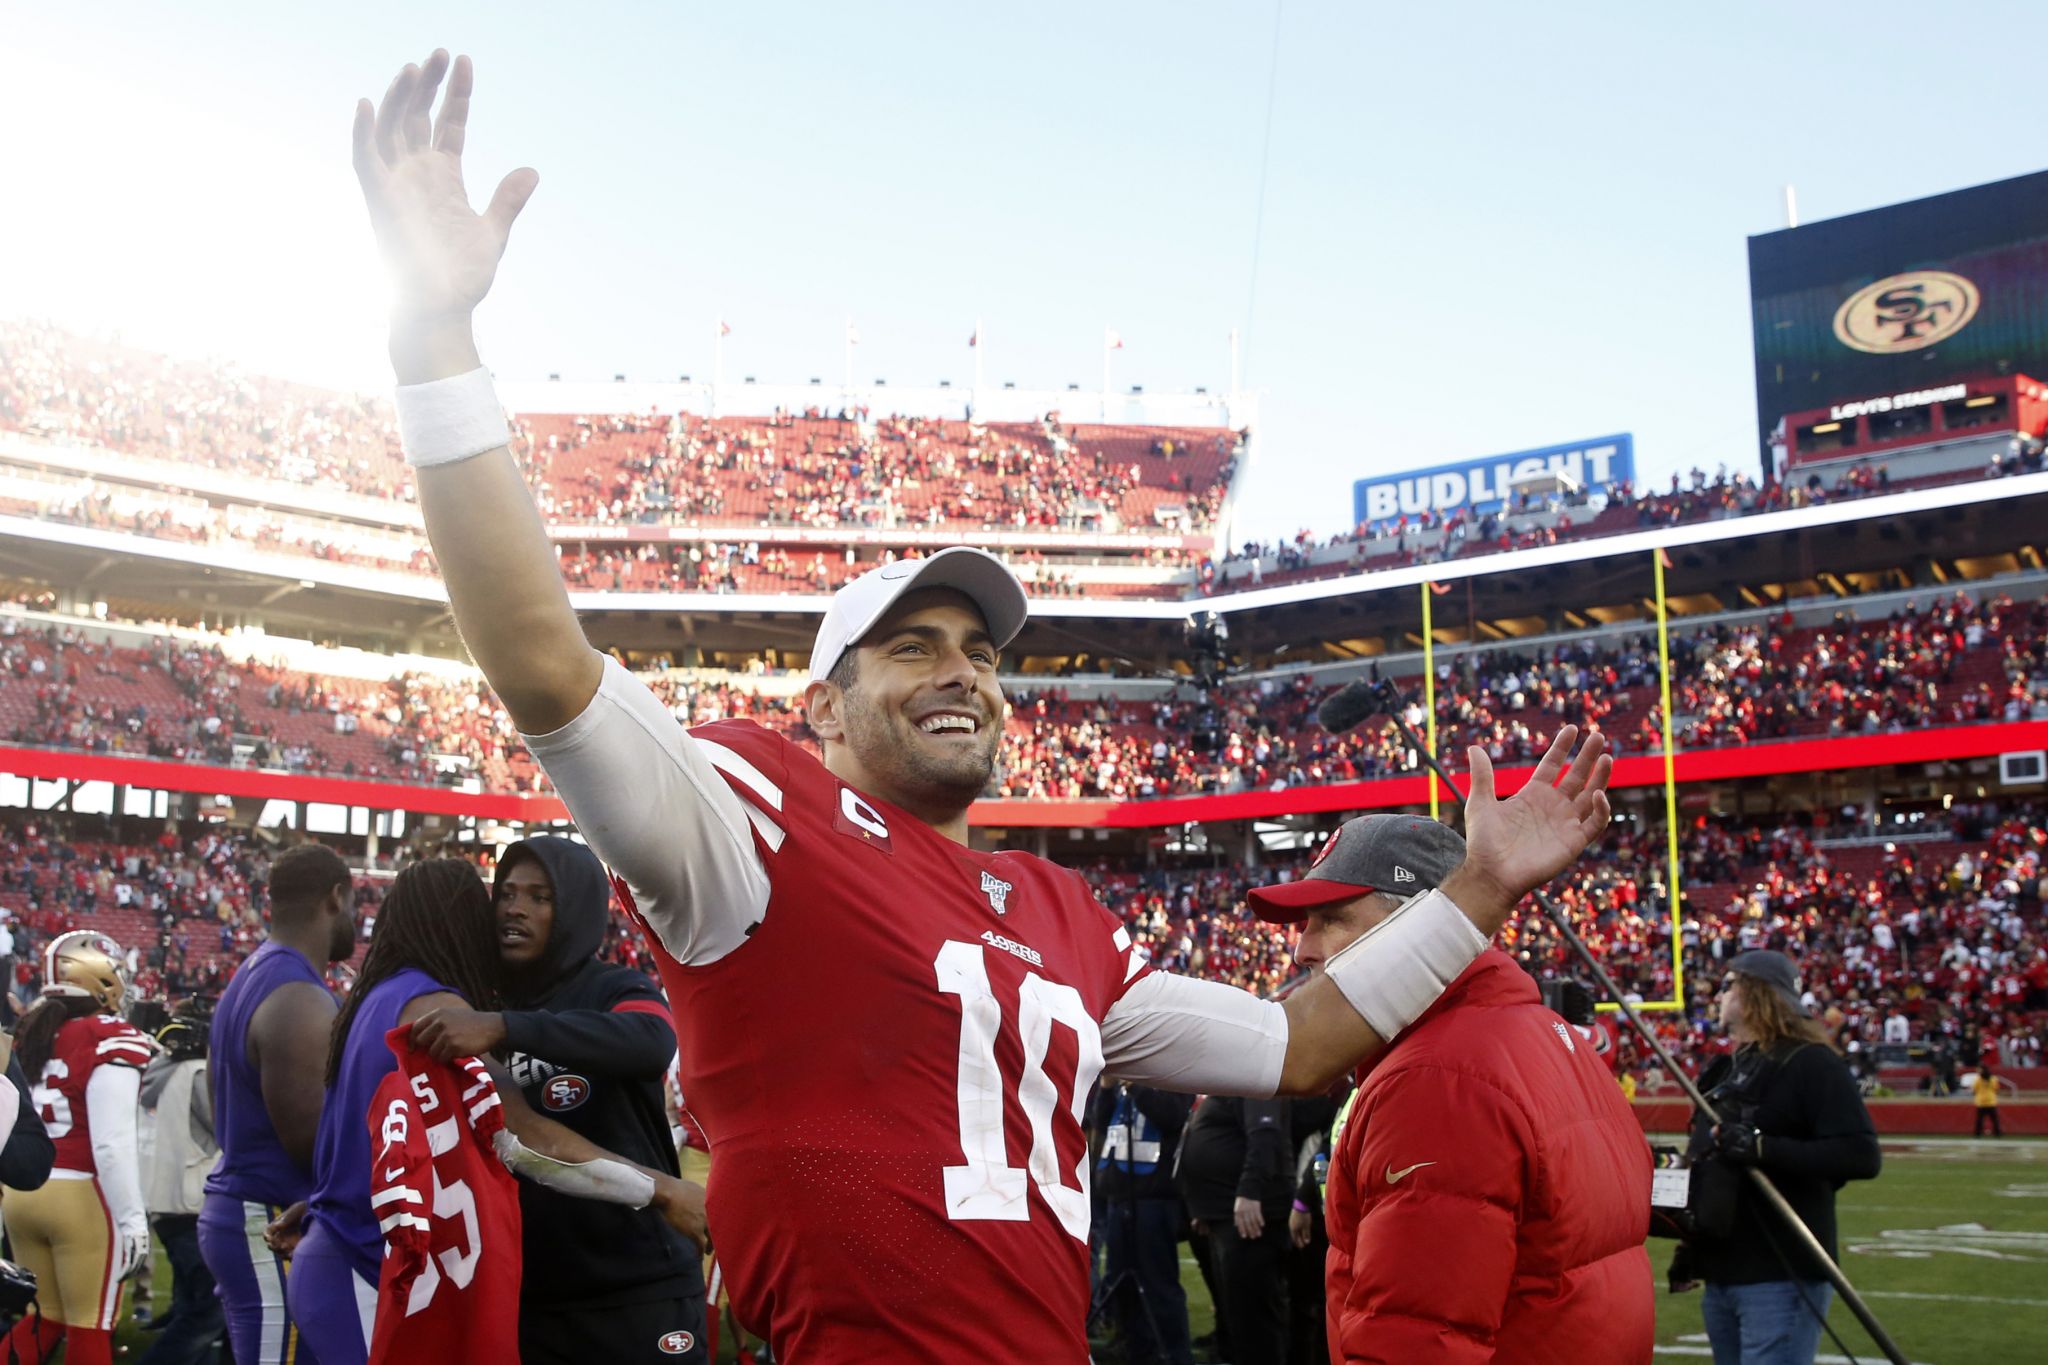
point(1817, 1135)
point(1237, 1149)
point(589, 1047)
point(26, 1158)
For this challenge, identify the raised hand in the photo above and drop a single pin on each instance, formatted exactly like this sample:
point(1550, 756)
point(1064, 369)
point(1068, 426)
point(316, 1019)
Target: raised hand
point(1514, 846)
point(443, 253)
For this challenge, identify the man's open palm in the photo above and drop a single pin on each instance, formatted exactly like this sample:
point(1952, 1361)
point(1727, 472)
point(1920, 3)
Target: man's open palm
point(443, 253)
point(1524, 841)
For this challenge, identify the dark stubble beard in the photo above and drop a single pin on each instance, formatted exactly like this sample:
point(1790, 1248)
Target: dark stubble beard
point(893, 747)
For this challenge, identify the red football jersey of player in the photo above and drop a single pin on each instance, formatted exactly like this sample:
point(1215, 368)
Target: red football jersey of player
point(892, 1070)
point(449, 1288)
point(83, 1045)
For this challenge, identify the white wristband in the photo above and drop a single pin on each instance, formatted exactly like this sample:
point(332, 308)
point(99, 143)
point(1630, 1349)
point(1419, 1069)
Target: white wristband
point(450, 419)
point(1398, 968)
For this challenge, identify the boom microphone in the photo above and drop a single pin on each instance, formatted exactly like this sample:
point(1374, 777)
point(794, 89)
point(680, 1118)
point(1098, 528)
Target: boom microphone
point(1348, 707)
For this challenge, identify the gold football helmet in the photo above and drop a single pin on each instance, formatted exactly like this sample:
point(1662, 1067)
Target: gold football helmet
point(85, 963)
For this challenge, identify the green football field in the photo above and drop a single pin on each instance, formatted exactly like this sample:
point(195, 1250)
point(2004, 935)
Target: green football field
point(1949, 1247)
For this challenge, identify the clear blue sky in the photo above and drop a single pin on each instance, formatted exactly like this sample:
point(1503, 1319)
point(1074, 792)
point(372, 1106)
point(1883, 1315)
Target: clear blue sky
point(1487, 227)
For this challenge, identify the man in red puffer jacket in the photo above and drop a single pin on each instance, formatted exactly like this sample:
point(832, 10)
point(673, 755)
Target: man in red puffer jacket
point(1489, 1190)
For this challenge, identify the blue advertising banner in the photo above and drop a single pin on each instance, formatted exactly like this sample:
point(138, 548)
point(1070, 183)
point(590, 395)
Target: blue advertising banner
point(1484, 485)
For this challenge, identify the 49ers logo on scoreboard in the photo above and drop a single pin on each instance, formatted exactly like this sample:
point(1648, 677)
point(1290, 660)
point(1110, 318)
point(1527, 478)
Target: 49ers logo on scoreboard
point(1906, 312)
point(563, 1093)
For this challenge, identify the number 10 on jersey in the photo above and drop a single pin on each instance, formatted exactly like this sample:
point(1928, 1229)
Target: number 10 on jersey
point(986, 1186)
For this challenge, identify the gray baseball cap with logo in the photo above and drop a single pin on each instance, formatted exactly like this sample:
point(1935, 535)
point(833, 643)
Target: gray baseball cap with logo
point(1775, 970)
point(1397, 854)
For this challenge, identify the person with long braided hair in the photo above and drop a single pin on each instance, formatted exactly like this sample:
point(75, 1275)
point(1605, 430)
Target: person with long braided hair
point(435, 945)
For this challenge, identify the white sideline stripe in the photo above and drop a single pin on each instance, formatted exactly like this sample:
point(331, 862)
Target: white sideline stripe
point(1953, 1298)
point(736, 767)
point(771, 833)
point(1707, 1352)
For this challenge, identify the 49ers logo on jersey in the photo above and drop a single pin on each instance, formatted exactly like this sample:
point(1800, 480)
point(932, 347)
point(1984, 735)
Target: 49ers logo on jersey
point(676, 1343)
point(564, 1093)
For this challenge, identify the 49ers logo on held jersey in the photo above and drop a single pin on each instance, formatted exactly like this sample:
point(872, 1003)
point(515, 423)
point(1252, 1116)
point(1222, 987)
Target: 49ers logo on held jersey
point(857, 817)
point(564, 1093)
point(676, 1343)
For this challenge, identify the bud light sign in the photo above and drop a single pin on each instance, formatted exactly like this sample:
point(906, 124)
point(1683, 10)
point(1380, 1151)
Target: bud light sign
point(1482, 486)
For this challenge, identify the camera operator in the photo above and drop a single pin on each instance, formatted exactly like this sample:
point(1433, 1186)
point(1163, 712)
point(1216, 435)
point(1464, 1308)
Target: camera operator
point(1790, 1107)
point(1142, 1219)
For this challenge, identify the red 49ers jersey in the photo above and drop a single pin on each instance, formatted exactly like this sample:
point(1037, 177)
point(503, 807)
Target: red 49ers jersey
point(891, 1070)
point(83, 1046)
point(449, 1210)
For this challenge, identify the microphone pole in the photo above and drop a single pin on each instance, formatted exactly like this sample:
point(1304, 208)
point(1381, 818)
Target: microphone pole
point(1389, 704)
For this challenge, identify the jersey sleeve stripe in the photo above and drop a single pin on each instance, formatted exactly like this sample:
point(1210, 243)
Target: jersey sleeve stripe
point(1121, 938)
point(653, 1007)
point(109, 1044)
point(396, 1194)
point(741, 771)
point(482, 1107)
point(1136, 963)
point(770, 832)
point(405, 1220)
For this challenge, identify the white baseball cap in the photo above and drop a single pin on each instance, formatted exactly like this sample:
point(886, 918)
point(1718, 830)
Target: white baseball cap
point(860, 604)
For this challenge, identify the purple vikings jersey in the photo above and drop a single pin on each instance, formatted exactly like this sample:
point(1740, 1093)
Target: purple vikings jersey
point(341, 1153)
point(254, 1165)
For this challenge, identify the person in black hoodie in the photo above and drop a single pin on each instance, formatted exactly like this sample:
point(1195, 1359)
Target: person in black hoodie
point(589, 1043)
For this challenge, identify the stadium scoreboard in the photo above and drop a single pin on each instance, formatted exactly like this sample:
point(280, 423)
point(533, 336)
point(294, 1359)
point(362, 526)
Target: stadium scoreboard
point(1913, 299)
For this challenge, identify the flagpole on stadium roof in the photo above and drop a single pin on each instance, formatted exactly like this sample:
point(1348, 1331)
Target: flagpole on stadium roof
point(717, 363)
point(980, 345)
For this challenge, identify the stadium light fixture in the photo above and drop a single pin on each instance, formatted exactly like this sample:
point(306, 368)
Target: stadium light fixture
point(1009, 383)
point(1825, 427)
point(554, 379)
point(1137, 388)
point(618, 379)
point(1981, 401)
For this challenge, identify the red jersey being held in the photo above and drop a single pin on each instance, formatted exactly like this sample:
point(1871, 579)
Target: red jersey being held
point(449, 1210)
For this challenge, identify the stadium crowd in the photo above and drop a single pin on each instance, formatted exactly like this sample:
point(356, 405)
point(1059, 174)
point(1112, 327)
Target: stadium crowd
point(1952, 661)
point(1936, 932)
point(830, 472)
point(1530, 520)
